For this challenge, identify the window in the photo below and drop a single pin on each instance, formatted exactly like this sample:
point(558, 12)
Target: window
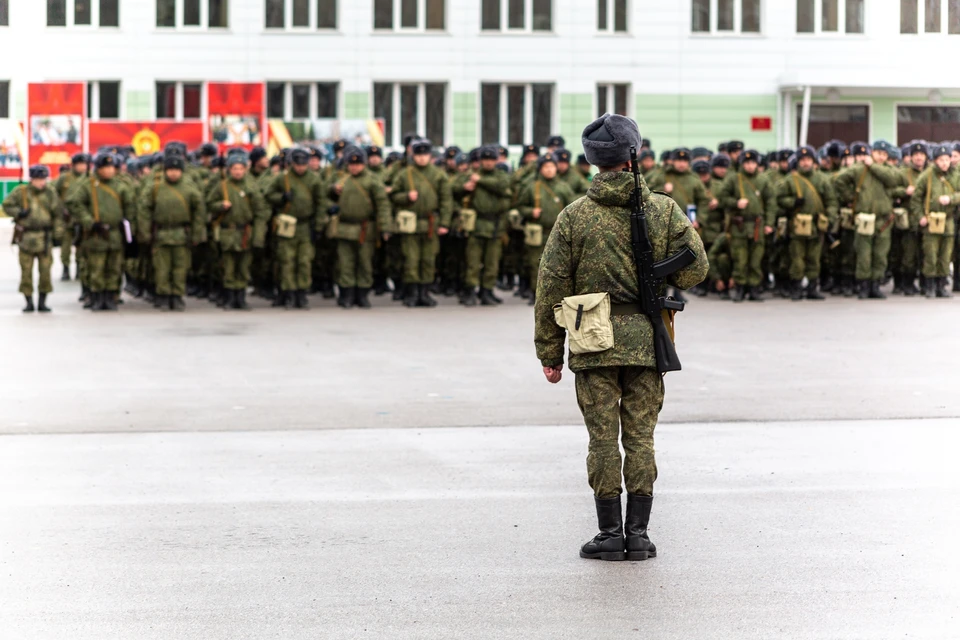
point(178, 100)
point(928, 123)
point(292, 101)
point(613, 98)
point(77, 13)
point(612, 16)
point(832, 16)
point(411, 107)
point(931, 14)
point(842, 122)
point(414, 15)
point(300, 14)
point(4, 98)
point(103, 100)
point(516, 114)
point(193, 13)
point(56, 13)
point(4, 13)
point(517, 15)
point(725, 16)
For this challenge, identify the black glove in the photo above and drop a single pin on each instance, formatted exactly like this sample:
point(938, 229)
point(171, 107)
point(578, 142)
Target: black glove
point(800, 202)
point(287, 197)
point(334, 210)
point(24, 214)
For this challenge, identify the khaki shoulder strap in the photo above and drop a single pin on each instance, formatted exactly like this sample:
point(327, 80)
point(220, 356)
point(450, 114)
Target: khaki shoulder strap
point(856, 193)
point(94, 200)
point(286, 188)
point(23, 197)
point(816, 195)
point(926, 199)
point(536, 194)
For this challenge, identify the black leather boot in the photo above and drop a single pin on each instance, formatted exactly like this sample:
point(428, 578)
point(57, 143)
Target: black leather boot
point(42, 304)
point(89, 300)
point(410, 295)
point(65, 276)
point(347, 297)
point(897, 284)
point(754, 294)
point(827, 285)
point(363, 301)
point(850, 287)
point(132, 287)
point(289, 299)
point(956, 278)
point(796, 290)
point(875, 293)
point(161, 302)
point(863, 287)
point(813, 292)
point(326, 289)
point(379, 286)
point(177, 304)
point(942, 291)
point(638, 543)
point(469, 297)
point(909, 287)
point(738, 293)
point(84, 295)
point(487, 299)
point(302, 301)
point(29, 308)
point(240, 300)
point(227, 300)
point(279, 300)
point(109, 301)
point(424, 299)
point(609, 544)
point(399, 291)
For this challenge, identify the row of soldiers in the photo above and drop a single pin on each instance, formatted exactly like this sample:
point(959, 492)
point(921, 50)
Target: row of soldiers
point(842, 219)
point(209, 225)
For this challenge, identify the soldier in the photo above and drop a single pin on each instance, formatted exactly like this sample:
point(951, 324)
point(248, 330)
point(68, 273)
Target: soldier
point(648, 164)
point(862, 188)
point(259, 163)
point(734, 149)
point(173, 217)
point(325, 260)
point(298, 194)
point(910, 238)
point(540, 203)
point(512, 261)
point(422, 195)
point(619, 390)
point(554, 143)
point(79, 168)
point(810, 204)
point(955, 162)
point(103, 205)
point(37, 213)
point(574, 179)
point(583, 167)
point(684, 186)
point(487, 192)
point(240, 216)
point(699, 154)
point(934, 206)
point(362, 206)
point(750, 205)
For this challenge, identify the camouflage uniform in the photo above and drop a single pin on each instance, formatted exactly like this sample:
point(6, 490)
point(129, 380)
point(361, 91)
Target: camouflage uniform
point(937, 248)
point(42, 225)
point(817, 198)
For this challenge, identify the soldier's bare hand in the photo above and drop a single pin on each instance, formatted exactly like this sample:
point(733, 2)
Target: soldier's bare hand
point(696, 225)
point(910, 190)
point(923, 221)
point(338, 188)
point(412, 196)
point(868, 160)
point(388, 190)
point(536, 214)
point(470, 186)
point(742, 203)
point(944, 200)
point(386, 237)
point(768, 230)
point(668, 188)
point(553, 374)
point(442, 231)
point(721, 285)
point(226, 204)
point(714, 203)
point(475, 177)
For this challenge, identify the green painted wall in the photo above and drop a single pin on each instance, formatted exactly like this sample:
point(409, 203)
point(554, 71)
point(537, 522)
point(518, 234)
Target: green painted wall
point(139, 105)
point(576, 112)
point(465, 134)
point(672, 121)
point(356, 105)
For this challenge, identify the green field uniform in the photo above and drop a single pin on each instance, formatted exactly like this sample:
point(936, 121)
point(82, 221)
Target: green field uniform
point(104, 204)
point(325, 249)
point(711, 220)
point(63, 184)
point(295, 255)
point(452, 258)
point(575, 181)
point(434, 208)
point(746, 227)
point(364, 210)
point(909, 238)
point(237, 229)
point(865, 190)
point(686, 189)
point(937, 247)
point(490, 200)
point(550, 196)
point(172, 219)
point(42, 226)
point(806, 193)
point(618, 390)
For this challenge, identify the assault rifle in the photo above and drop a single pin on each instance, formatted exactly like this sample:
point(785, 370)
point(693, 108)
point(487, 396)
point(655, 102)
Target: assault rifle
point(651, 276)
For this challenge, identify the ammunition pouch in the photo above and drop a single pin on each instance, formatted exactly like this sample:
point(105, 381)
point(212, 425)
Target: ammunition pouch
point(866, 224)
point(587, 321)
point(406, 222)
point(901, 220)
point(803, 225)
point(847, 219)
point(937, 223)
point(468, 220)
point(823, 223)
point(515, 220)
point(285, 226)
point(533, 235)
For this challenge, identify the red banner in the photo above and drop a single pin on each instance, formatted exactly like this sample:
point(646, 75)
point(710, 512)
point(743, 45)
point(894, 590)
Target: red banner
point(55, 121)
point(237, 113)
point(145, 137)
point(13, 149)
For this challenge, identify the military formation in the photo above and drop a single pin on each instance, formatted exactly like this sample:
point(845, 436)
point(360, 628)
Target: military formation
point(349, 222)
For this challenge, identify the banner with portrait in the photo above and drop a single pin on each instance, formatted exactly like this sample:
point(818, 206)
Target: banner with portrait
point(236, 114)
point(13, 149)
point(56, 121)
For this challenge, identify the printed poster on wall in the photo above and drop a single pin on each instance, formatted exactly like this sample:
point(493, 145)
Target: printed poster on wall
point(236, 114)
point(55, 121)
point(145, 137)
point(323, 133)
point(13, 149)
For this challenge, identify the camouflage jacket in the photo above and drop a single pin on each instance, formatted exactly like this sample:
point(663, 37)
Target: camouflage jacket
point(867, 189)
point(590, 251)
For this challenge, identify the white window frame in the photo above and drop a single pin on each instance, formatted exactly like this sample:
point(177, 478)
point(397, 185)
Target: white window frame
point(93, 87)
point(288, 20)
point(922, 20)
point(204, 18)
point(395, 115)
point(612, 19)
point(72, 15)
point(314, 98)
point(504, 117)
point(527, 19)
point(841, 21)
point(421, 19)
point(610, 88)
point(737, 21)
point(178, 101)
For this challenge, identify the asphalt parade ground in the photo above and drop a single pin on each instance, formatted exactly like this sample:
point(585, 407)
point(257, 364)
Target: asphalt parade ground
point(400, 473)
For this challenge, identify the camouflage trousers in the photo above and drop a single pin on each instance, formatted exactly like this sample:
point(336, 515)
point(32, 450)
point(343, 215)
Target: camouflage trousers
point(419, 258)
point(747, 257)
point(620, 404)
point(805, 258)
point(170, 266)
point(44, 261)
point(871, 253)
point(483, 254)
point(105, 270)
point(938, 253)
point(295, 259)
point(910, 252)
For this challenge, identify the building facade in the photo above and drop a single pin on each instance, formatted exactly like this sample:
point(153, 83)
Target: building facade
point(514, 71)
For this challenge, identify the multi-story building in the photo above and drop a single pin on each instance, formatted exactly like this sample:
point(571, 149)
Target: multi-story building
point(468, 71)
